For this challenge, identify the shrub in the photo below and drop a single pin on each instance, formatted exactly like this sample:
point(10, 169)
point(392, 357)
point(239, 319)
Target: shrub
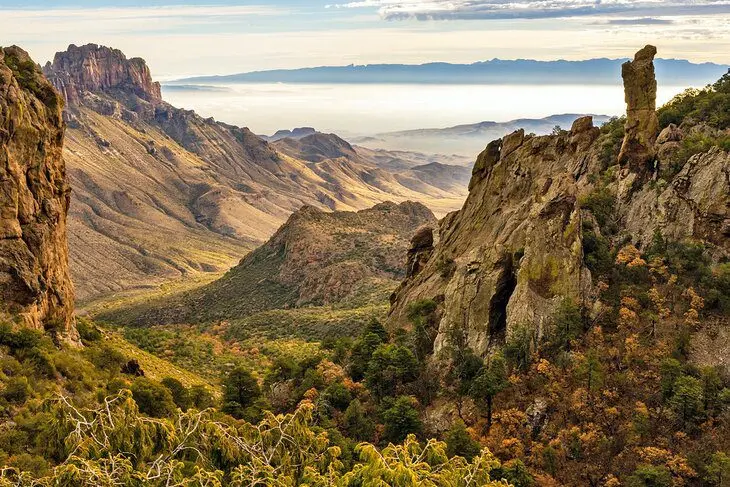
point(17, 390)
point(152, 398)
point(460, 443)
point(180, 394)
point(401, 419)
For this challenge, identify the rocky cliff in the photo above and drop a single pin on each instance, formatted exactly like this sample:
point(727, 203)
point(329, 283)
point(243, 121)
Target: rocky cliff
point(35, 281)
point(162, 193)
point(515, 250)
point(80, 71)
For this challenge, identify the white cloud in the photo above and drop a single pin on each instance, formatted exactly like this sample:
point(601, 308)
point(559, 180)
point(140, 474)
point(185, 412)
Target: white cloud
point(533, 9)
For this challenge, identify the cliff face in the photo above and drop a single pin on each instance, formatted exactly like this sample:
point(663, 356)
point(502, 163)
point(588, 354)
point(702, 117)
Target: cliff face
point(91, 69)
point(34, 198)
point(514, 251)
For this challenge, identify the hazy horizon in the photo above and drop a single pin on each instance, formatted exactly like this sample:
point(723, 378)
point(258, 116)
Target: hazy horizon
point(268, 107)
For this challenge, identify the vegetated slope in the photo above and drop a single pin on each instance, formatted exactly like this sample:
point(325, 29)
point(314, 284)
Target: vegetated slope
point(161, 192)
point(315, 258)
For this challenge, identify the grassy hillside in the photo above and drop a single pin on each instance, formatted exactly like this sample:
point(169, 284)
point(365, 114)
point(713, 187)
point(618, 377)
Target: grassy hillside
point(345, 259)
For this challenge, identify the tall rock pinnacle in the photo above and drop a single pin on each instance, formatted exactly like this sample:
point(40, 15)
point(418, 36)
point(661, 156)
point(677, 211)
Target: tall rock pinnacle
point(35, 282)
point(637, 151)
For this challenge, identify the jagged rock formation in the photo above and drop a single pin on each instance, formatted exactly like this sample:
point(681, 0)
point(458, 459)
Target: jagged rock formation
point(512, 253)
point(637, 152)
point(79, 71)
point(315, 258)
point(695, 204)
point(515, 249)
point(35, 281)
point(160, 192)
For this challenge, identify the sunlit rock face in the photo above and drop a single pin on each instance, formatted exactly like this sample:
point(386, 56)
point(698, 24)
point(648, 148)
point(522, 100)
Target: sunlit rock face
point(640, 87)
point(92, 68)
point(35, 281)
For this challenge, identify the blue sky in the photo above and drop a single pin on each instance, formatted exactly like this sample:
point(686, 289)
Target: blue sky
point(188, 37)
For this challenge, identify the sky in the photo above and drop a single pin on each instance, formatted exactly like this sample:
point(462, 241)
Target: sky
point(196, 37)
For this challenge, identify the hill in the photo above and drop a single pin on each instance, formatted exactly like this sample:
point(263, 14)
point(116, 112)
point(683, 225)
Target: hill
point(315, 258)
point(467, 138)
point(161, 193)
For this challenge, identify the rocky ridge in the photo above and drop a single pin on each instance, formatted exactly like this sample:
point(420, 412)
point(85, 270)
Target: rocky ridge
point(35, 280)
point(514, 251)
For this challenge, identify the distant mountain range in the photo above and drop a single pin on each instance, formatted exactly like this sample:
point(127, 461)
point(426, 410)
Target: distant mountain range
point(465, 139)
point(496, 71)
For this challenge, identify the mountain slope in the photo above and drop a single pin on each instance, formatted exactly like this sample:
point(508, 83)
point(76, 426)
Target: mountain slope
point(315, 258)
point(161, 192)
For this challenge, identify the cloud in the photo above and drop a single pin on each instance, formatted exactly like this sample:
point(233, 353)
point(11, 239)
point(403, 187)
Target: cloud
point(533, 9)
point(641, 21)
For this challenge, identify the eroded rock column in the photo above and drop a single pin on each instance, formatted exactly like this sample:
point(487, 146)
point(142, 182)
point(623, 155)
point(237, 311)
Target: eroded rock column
point(637, 154)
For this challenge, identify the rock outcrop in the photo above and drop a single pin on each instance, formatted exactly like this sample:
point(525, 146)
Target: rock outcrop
point(419, 251)
point(35, 281)
point(637, 152)
point(695, 204)
point(514, 251)
point(93, 69)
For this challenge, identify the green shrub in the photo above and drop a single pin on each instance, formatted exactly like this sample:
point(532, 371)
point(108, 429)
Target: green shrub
point(180, 394)
point(17, 390)
point(650, 476)
point(401, 419)
point(460, 443)
point(152, 398)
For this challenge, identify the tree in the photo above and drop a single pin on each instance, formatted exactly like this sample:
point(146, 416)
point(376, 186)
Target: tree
point(687, 400)
point(361, 353)
point(650, 476)
point(152, 398)
point(356, 422)
point(376, 328)
point(491, 381)
point(240, 391)
point(718, 471)
point(200, 397)
point(338, 396)
point(519, 346)
point(401, 419)
point(459, 442)
point(179, 392)
point(568, 325)
point(390, 367)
